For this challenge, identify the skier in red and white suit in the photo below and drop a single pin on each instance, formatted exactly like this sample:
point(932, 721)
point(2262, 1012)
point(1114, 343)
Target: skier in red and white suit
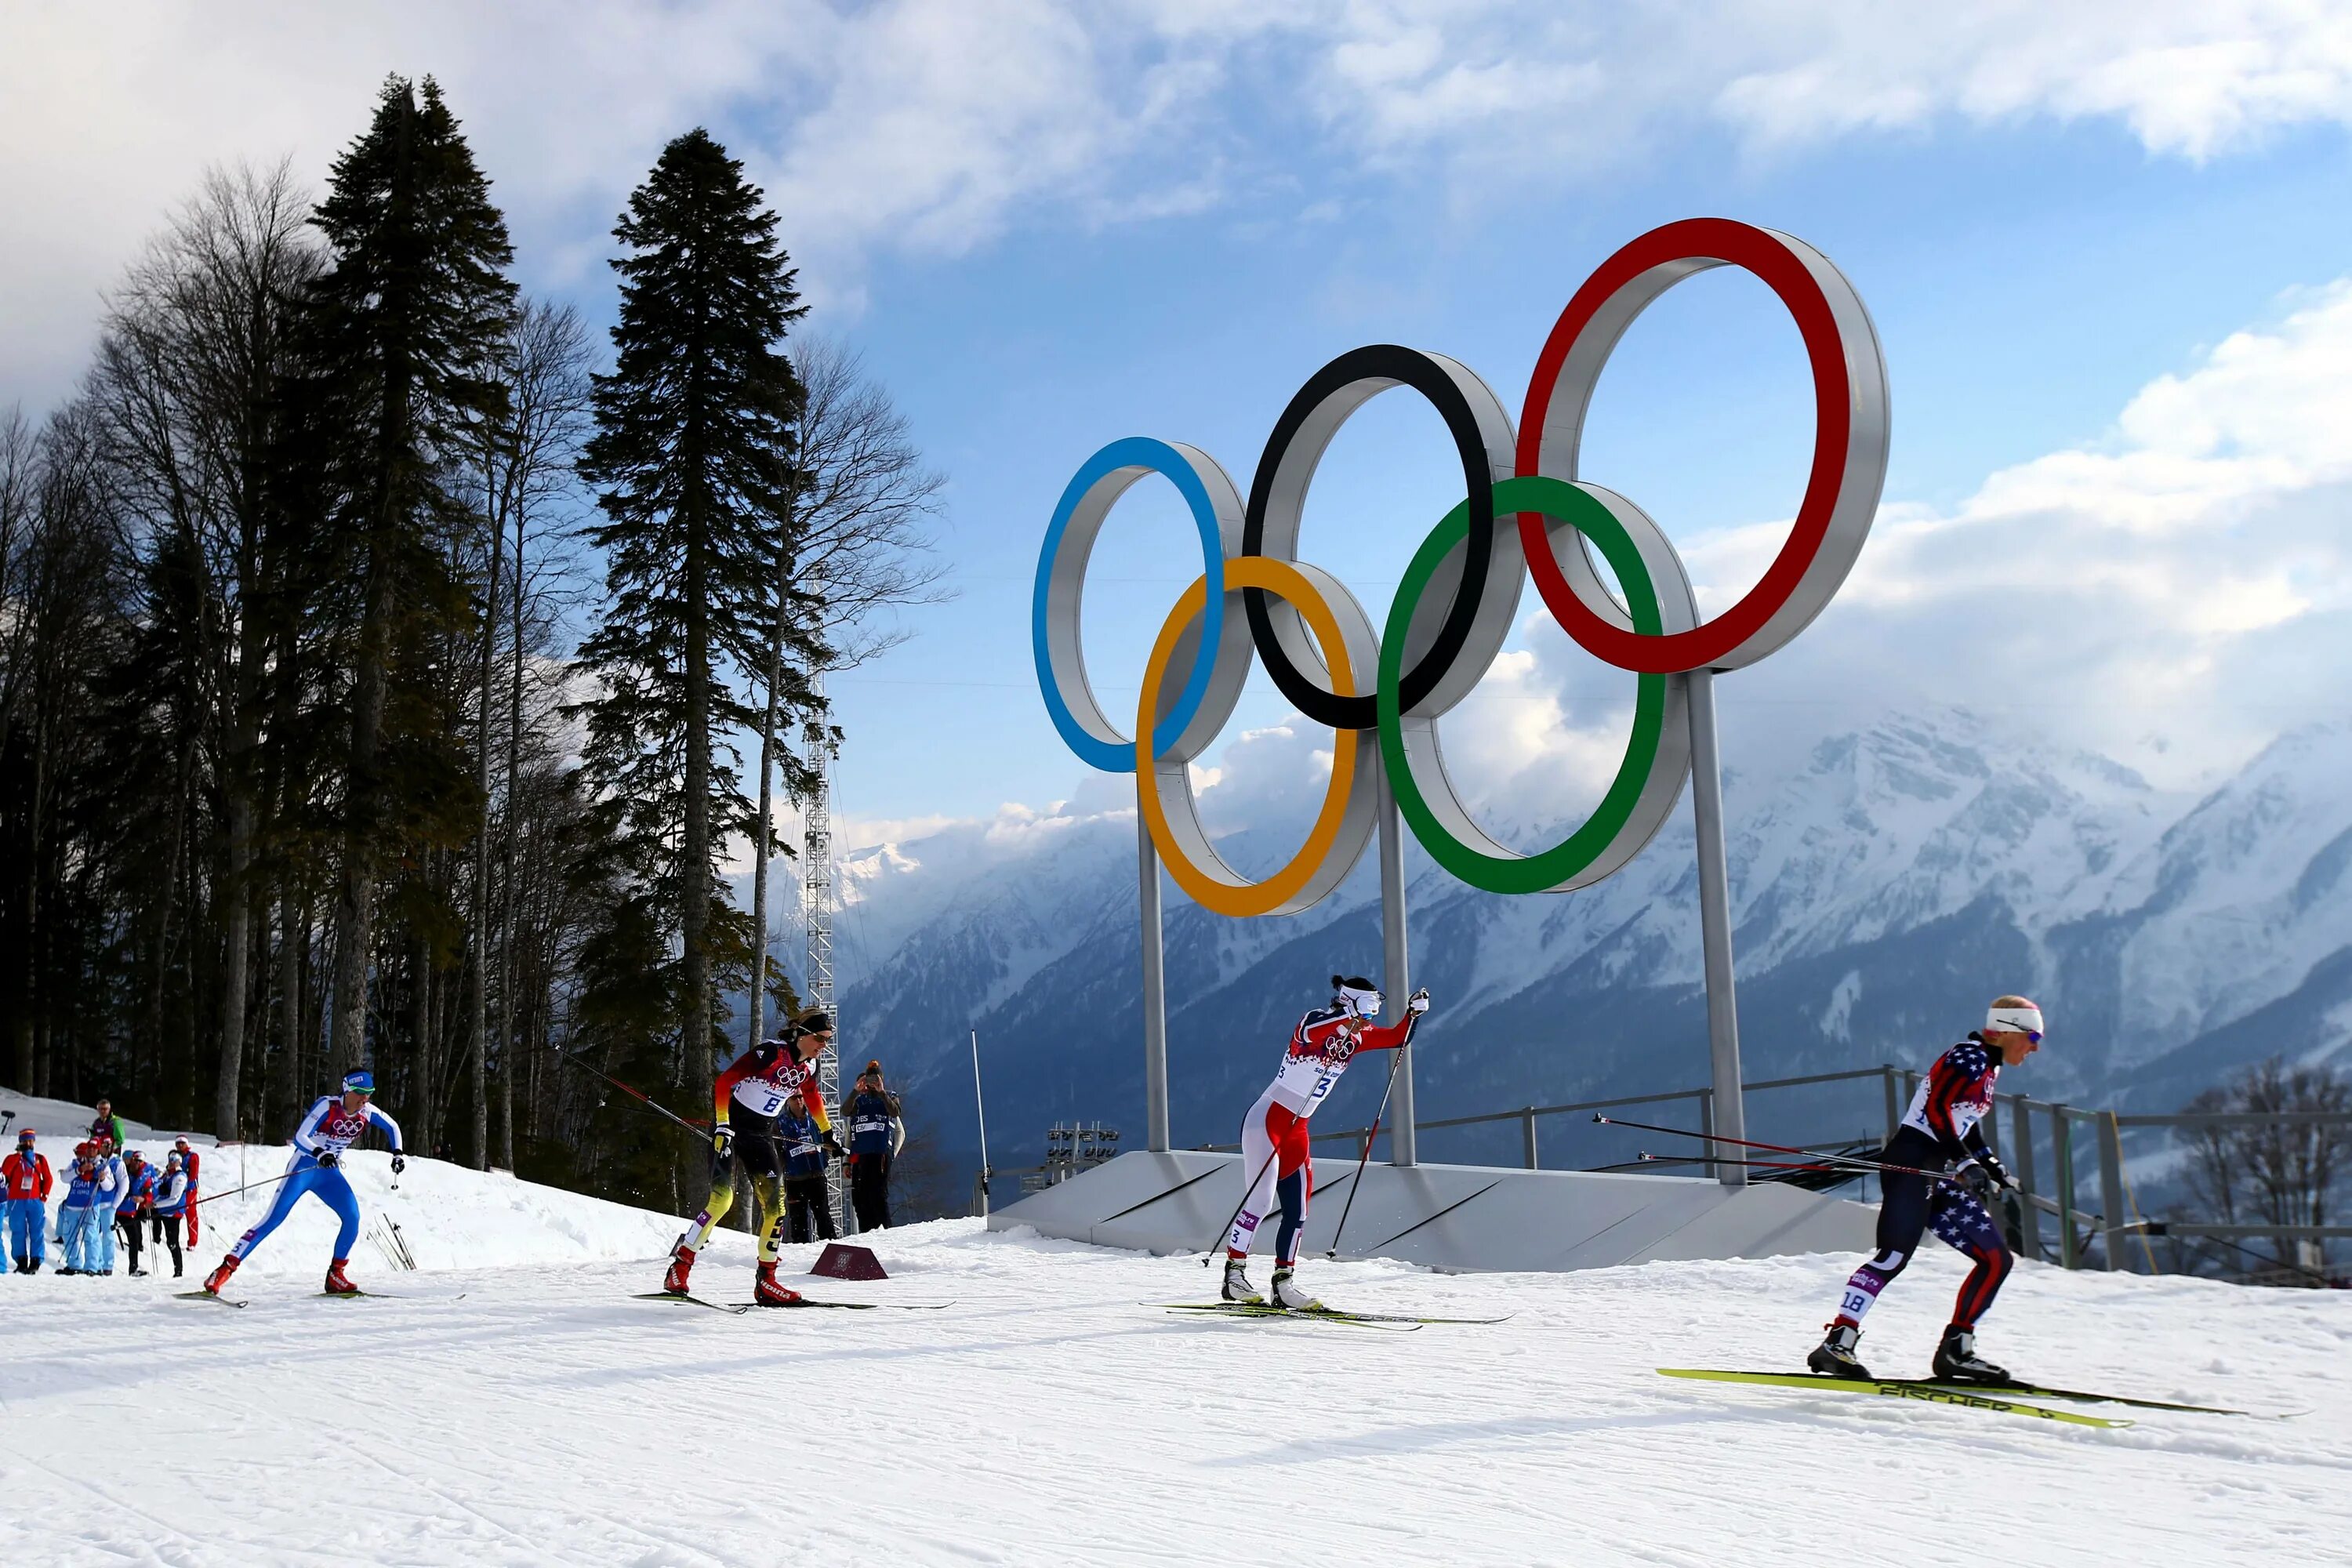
point(1274, 1134)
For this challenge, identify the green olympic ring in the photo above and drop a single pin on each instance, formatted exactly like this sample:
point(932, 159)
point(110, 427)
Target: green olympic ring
point(1657, 755)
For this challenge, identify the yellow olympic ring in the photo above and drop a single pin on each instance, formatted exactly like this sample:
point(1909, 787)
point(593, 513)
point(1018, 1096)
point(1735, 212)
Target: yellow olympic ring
point(1343, 826)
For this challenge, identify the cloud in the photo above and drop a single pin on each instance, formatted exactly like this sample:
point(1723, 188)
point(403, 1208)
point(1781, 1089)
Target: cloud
point(932, 126)
point(2173, 595)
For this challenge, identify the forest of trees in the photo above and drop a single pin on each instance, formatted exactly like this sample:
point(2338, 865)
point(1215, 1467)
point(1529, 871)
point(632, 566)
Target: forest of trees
point(377, 676)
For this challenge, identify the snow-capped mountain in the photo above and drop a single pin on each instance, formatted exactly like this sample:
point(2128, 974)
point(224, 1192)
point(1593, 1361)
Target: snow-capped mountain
point(1883, 887)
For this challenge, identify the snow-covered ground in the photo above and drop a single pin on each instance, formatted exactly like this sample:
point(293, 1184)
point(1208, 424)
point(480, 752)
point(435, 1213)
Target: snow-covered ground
point(1052, 1415)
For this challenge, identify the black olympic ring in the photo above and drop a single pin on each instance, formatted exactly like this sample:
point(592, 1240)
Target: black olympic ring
point(1286, 467)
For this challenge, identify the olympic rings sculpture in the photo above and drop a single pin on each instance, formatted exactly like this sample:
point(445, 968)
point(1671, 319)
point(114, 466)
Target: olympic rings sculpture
point(1453, 609)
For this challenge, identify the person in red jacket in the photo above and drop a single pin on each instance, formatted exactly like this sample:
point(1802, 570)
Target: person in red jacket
point(188, 1163)
point(25, 1176)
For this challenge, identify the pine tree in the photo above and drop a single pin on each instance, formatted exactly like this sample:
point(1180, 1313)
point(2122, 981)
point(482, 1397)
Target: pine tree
point(694, 452)
point(404, 334)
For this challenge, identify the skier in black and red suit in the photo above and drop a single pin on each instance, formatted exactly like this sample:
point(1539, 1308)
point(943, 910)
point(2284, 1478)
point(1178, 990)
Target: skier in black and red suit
point(755, 1089)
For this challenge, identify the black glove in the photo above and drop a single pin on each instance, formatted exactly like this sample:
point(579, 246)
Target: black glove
point(722, 1142)
point(399, 1162)
point(1978, 1181)
point(833, 1144)
point(326, 1158)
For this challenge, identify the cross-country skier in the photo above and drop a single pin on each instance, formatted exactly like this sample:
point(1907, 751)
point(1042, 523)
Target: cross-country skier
point(756, 1087)
point(333, 1125)
point(1941, 1132)
point(28, 1184)
point(1273, 1135)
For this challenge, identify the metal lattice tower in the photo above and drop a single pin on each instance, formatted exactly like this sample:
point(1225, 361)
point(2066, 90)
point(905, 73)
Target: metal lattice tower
point(816, 906)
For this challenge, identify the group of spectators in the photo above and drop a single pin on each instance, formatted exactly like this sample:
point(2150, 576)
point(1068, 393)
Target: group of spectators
point(876, 1136)
point(111, 1190)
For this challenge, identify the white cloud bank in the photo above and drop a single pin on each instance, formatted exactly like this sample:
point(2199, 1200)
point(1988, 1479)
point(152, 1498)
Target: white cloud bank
point(932, 125)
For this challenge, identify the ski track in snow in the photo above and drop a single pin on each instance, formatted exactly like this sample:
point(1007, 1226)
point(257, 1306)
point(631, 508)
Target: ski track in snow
point(1053, 1415)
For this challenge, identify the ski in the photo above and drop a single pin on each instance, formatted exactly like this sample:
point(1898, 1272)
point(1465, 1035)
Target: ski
point(1243, 1311)
point(1246, 1307)
point(865, 1306)
point(384, 1296)
point(2082, 1397)
point(2039, 1391)
point(691, 1301)
point(1896, 1388)
point(204, 1296)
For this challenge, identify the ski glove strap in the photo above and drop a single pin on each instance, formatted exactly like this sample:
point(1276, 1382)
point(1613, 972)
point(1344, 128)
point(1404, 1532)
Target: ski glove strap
point(399, 1162)
point(722, 1142)
point(1418, 1002)
point(1977, 1180)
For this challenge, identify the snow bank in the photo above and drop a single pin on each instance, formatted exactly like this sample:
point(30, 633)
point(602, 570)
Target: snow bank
point(1053, 1415)
point(449, 1217)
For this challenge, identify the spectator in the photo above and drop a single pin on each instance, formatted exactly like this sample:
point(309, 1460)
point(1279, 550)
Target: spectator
point(25, 1176)
point(806, 1203)
point(172, 1191)
point(875, 1135)
point(188, 1163)
point(109, 1159)
point(109, 1125)
point(88, 1211)
point(136, 1194)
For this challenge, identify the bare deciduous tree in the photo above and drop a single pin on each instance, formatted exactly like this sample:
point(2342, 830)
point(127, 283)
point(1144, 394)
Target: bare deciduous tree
point(858, 545)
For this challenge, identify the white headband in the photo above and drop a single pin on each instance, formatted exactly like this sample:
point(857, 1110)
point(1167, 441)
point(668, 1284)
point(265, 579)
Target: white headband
point(2025, 1020)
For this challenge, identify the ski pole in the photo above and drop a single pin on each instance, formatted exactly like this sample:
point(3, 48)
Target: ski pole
point(1366, 1157)
point(639, 1095)
point(1855, 1161)
point(249, 1186)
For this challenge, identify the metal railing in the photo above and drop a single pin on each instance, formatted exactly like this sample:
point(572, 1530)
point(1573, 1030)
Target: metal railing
point(2009, 1128)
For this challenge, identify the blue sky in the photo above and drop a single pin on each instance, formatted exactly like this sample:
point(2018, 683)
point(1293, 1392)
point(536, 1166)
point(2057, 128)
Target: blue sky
point(2102, 246)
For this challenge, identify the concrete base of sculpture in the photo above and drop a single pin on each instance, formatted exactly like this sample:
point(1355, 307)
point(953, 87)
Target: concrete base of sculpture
point(1469, 1217)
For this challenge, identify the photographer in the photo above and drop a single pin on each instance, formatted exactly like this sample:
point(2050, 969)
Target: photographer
point(876, 1136)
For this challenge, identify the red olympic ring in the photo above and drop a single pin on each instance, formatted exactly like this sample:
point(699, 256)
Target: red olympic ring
point(1850, 438)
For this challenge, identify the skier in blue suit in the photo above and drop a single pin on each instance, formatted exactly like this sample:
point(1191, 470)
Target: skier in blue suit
point(333, 1125)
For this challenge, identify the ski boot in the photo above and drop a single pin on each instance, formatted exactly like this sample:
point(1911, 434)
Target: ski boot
point(219, 1277)
point(1238, 1287)
point(338, 1284)
point(1957, 1361)
point(767, 1292)
point(137, 1272)
point(1835, 1356)
point(681, 1264)
point(1290, 1296)
point(68, 1269)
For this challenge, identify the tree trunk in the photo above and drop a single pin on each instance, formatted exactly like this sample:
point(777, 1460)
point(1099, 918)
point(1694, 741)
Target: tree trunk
point(478, 1023)
point(355, 905)
point(293, 936)
point(506, 855)
point(694, 878)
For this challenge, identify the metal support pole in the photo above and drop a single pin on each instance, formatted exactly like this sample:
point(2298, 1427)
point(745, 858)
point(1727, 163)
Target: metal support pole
point(2111, 1186)
point(1715, 918)
point(1528, 1137)
point(1894, 1102)
point(2028, 1213)
point(2061, 1154)
point(1397, 971)
point(1155, 993)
